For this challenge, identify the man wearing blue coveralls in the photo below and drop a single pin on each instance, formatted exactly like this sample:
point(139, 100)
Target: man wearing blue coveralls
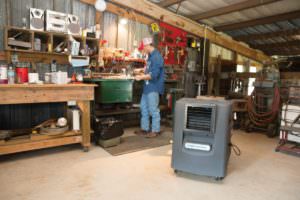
point(153, 77)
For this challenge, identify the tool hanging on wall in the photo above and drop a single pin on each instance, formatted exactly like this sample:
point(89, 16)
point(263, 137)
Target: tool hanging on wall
point(172, 44)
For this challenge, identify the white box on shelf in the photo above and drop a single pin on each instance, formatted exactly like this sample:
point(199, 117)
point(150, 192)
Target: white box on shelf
point(73, 115)
point(56, 21)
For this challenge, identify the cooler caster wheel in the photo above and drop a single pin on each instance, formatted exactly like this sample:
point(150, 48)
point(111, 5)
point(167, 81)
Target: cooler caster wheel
point(86, 149)
point(175, 171)
point(219, 178)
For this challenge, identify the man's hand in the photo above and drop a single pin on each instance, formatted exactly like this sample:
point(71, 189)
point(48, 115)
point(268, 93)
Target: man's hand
point(138, 71)
point(138, 78)
point(142, 77)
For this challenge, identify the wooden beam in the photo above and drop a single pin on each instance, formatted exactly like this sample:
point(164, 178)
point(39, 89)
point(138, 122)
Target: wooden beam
point(168, 3)
point(278, 45)
point(231, 8)
point(289, 75)
point(262, 36)
point(121, 12)
point(260, 21)
point(154, 11)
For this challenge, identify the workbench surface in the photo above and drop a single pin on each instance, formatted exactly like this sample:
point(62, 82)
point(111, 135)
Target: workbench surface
point(45, 93)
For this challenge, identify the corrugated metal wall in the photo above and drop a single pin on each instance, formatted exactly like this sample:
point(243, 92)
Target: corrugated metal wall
point(122, 36)
point(12, 12)
point(216, 50)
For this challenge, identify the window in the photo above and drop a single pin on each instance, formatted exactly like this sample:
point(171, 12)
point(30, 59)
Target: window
point(251, 80)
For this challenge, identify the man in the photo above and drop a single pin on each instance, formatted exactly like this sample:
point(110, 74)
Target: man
point(153, 77)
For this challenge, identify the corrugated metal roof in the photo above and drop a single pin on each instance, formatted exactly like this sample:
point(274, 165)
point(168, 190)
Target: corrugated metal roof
point(193, 7)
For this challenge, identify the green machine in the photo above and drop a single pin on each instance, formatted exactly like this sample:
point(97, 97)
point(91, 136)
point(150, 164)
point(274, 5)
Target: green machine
point(112, 90)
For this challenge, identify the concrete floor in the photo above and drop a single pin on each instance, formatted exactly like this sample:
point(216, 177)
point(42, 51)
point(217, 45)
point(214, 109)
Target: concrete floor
point(68, 173)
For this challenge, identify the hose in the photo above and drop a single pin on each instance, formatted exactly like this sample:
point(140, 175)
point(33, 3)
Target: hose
point(263, 118)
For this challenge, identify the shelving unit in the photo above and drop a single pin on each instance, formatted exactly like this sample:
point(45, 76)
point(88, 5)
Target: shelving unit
point(49, 40)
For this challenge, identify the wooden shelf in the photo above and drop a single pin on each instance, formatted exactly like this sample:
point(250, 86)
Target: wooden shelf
point(53, 38)
point(27, 145)
point(38, 52)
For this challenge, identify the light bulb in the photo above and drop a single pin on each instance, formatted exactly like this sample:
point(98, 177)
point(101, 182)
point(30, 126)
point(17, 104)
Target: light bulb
point(100, 5)
point(123, 21)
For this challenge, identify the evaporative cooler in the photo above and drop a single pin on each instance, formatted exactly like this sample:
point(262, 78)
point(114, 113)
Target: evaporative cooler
point(201, 141)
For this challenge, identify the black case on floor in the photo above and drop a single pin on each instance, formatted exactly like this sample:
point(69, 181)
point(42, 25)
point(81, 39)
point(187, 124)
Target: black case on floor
point(108, 128)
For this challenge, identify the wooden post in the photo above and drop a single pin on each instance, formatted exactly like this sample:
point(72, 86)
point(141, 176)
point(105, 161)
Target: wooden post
point(85, 124)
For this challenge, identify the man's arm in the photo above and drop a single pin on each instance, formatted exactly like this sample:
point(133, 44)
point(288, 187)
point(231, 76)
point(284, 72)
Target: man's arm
point(154, 72)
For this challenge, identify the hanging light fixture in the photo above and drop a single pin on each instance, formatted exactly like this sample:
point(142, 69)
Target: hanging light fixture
point(100, 5)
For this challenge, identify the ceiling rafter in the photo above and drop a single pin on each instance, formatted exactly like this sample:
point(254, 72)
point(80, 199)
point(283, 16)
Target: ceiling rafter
point(283, 52)
point(262, 36)
point(168, 3)
point(277, 45)
point(259, 21)
point(231, 8)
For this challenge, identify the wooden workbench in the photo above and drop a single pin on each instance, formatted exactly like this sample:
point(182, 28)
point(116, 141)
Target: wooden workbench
point(48, 93)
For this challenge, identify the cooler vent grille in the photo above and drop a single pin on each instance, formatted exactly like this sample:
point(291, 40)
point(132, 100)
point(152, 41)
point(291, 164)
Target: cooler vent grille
point(199, 118)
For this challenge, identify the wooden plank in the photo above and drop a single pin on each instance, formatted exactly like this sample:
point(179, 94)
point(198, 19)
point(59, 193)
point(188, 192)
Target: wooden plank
point(231, 8)
point(8, 149)
point(39, 137)
point(154, 11)
point(85, 123)
point(45, 93)
point(168, 3)
point(259, 21)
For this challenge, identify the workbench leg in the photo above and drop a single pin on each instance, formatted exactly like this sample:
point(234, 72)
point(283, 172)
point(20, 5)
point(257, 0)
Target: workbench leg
point(85, 124)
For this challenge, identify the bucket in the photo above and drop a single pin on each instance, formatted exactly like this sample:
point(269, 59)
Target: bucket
point(22, 74)
point(3, 74)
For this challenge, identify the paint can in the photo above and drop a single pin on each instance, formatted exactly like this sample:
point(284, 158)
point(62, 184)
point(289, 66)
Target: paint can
point(22, 73)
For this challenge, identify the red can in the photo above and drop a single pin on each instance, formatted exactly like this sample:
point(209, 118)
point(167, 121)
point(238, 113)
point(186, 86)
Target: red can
point(22, 74)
